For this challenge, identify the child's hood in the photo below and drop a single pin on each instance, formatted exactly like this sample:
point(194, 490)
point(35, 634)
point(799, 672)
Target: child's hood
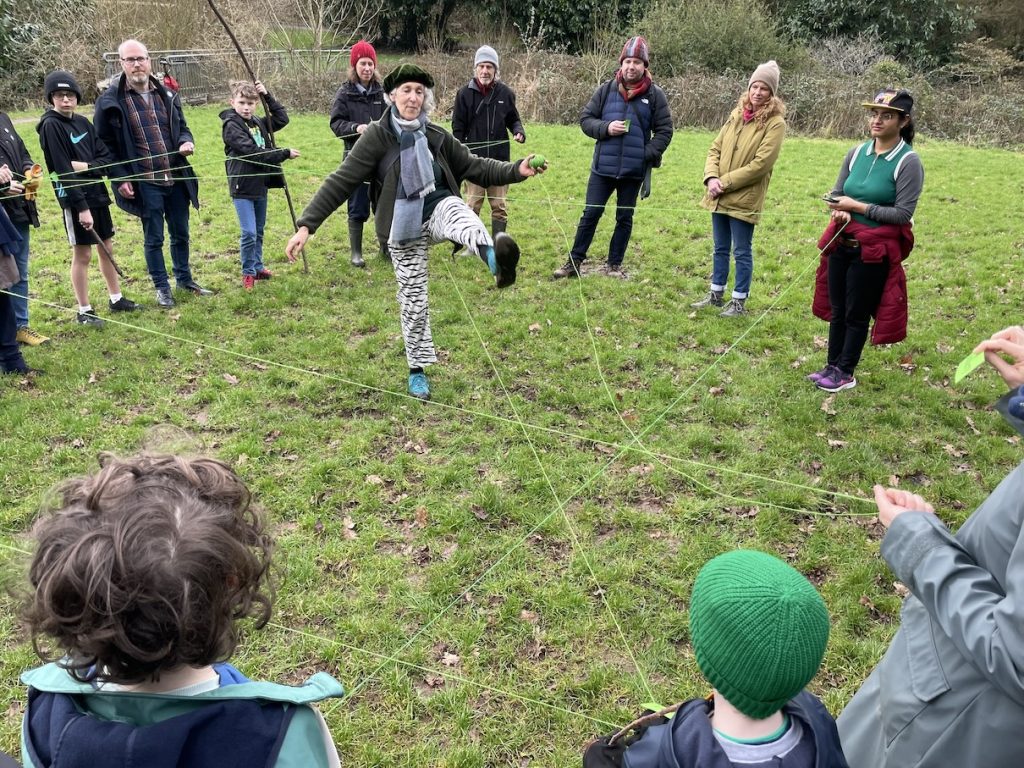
point(230, 114)
point(72, 723)
point(76, 120)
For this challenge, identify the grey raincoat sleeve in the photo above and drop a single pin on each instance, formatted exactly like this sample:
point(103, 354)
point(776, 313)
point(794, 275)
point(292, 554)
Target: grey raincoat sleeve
point(982, 617)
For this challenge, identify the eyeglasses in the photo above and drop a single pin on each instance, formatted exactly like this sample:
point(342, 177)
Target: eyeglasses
point(135, 59)
point(885, 117)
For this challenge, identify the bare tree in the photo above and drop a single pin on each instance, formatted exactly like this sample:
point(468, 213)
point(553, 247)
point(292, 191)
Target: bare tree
point(323, 27)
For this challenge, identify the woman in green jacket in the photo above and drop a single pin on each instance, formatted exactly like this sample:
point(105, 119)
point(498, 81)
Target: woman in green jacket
point(736, 175)
point(415, 170)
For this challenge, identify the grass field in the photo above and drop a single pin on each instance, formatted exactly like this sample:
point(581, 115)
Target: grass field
point(503, 572)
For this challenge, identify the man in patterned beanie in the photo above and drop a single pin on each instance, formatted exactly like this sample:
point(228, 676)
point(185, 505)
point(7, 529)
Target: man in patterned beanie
point(629, 119)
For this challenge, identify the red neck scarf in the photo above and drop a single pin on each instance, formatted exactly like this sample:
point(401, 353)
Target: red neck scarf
point(484, 89)
point(637, 89)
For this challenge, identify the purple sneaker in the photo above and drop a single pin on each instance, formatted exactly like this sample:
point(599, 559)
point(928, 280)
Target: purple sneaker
point(817, 376)
point(836, 381)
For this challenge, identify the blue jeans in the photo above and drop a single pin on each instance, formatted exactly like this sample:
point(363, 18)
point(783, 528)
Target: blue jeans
point(171, 203)
point(599, 190)
point(737, 236)
point(252, 217)
point(359, 204)
point(20, 301)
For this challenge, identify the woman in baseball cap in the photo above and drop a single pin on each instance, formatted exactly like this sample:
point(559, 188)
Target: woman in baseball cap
point(870, 234)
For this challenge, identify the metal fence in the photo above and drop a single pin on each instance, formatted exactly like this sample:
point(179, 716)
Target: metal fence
point(203, 75)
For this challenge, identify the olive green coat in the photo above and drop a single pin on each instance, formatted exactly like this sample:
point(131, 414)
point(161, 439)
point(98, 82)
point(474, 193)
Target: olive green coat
point(741, 158)
point(361, 164)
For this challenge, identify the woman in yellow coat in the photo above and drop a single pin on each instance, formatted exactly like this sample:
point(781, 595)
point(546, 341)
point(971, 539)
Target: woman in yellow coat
point(736, 175)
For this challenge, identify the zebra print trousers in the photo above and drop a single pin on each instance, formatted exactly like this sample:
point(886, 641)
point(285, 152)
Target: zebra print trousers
point(451, 220)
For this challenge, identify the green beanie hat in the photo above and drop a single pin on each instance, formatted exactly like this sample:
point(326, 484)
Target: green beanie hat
point(758, 628)
point(405, 73)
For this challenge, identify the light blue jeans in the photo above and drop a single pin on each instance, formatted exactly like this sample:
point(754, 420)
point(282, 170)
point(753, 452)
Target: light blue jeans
point(737, 236)
point(252, 217)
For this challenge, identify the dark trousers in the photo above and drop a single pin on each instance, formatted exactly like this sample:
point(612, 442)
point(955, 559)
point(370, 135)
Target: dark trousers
point(165, 203)
point(10, 354)
point(359, 203)
point(854, 291)
point(599, 190)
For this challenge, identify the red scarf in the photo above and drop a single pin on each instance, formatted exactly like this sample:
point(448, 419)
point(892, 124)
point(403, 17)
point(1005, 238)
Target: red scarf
point(484, 89)
point(632, 91)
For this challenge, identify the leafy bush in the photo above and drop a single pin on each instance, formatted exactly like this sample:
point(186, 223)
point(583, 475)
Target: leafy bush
point(37, 36)
point(923, 32)
point(716, 35)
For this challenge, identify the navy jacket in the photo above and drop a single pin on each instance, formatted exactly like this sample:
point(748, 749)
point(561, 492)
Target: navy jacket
point(65, 139)
point(484, 122)
point(113, 128)
point(353, 108)
point(249, 168)
point(15, 156)
point(630, 155)
point(687, 740)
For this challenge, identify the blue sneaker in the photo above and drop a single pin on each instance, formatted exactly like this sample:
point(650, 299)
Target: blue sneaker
point(491, 259)
point(418, 386)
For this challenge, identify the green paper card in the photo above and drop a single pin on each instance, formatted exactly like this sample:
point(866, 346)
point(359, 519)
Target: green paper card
point(967, 365)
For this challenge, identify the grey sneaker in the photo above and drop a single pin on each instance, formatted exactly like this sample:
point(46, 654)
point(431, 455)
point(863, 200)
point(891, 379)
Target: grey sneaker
point(713, 299)
point(613, 270)
point(734, 308)
point(571, 268)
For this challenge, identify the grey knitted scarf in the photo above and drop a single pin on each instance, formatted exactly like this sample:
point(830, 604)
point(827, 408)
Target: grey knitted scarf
point(416, 180)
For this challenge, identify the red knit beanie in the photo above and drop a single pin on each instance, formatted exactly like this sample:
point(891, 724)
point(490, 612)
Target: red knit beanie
point(362, 50)
point(636, 48)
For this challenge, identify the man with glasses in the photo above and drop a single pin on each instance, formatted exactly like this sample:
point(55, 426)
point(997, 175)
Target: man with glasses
point(142, 123)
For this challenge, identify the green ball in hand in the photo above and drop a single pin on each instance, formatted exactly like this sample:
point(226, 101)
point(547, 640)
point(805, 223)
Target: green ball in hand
point(537, 161)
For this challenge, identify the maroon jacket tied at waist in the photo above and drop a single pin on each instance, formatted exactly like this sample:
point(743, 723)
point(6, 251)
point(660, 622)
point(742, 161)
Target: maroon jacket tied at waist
point(887, 242)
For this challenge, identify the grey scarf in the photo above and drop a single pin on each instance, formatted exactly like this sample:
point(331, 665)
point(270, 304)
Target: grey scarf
point(416, 180)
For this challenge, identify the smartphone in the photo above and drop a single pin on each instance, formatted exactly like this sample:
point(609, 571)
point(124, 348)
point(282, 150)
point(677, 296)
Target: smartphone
point(827, 197)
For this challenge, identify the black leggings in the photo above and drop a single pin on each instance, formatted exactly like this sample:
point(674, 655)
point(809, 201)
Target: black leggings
point(854, 291)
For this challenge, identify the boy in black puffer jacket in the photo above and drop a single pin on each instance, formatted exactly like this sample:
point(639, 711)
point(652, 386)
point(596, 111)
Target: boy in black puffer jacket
point(253, 164)
point(77, 161)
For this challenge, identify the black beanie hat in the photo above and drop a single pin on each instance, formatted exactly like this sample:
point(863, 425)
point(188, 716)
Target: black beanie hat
point(60, 80)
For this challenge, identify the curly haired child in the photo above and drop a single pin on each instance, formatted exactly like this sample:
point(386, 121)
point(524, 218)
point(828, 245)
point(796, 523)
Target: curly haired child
point(140, 577)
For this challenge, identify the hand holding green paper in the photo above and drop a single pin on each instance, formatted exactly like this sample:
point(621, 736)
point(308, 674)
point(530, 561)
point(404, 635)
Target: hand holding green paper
point(967, 365)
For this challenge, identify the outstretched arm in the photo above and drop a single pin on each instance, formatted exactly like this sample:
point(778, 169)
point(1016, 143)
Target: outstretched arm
point(981, 616)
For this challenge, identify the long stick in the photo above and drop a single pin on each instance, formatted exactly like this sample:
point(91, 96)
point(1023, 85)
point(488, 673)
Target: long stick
point(270, 120)
point(105, 251)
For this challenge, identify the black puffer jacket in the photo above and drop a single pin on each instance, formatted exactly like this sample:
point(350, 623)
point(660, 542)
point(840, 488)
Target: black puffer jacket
point(252, 168)
point(483, 123)
point(353, 108)
point(15, 156)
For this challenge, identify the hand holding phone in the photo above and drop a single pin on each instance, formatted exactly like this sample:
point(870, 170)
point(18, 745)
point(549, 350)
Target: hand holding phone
point(828, 198)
